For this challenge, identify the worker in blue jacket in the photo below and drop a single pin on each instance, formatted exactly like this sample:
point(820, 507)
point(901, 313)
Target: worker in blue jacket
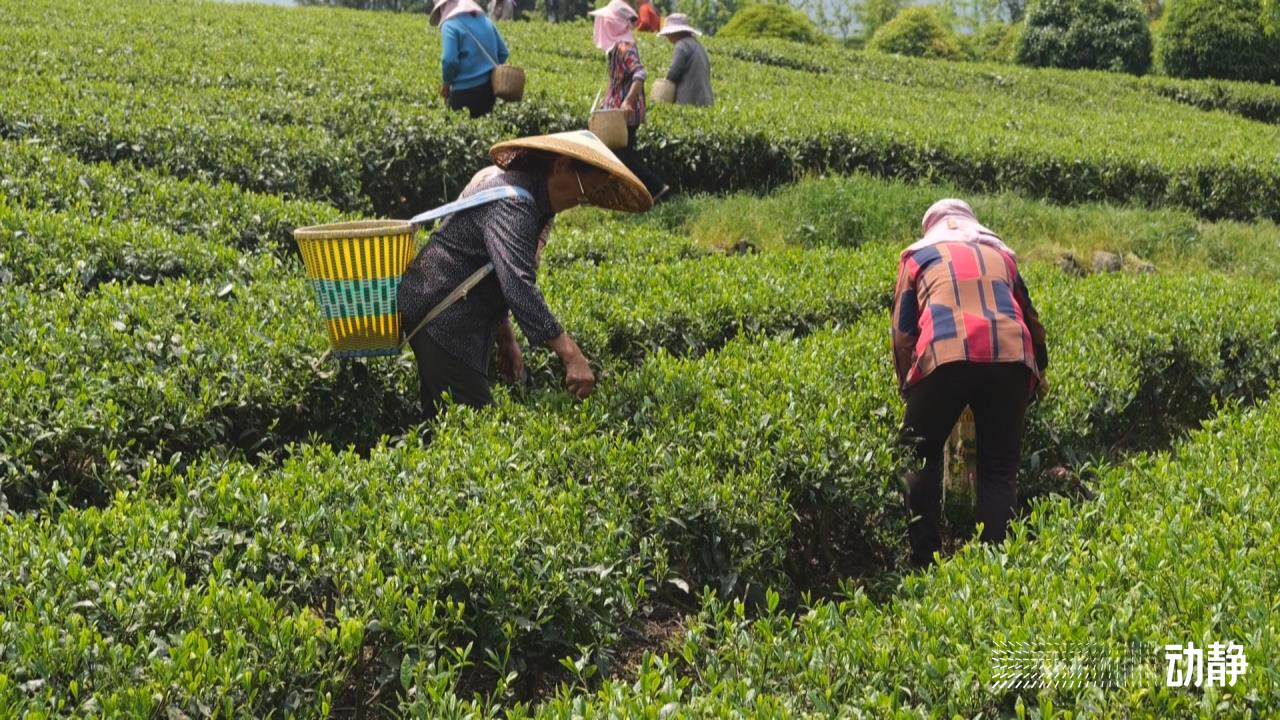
point(472, 48)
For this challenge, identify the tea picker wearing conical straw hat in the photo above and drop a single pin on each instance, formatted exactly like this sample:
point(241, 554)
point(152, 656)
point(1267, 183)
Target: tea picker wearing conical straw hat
point(540, 176)
point(965, 334)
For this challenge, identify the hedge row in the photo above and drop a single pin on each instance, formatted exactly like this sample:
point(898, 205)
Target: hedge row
point(135, 370)
point(40, 178)
point(1178, 548)
point(48, 251)
point(522, 535)
point(298, 109)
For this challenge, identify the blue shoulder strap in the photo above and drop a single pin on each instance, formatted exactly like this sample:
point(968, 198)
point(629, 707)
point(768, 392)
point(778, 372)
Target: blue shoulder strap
point(484, 197)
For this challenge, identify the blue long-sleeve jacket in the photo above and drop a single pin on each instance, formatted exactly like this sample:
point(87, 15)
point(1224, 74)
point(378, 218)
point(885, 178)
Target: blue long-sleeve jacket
point(462, 64)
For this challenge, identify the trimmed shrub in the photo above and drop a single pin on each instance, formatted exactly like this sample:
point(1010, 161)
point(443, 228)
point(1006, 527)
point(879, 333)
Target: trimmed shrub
point(1218, 39)
point(772, 21)
point(1087, 34)
point(919, 32)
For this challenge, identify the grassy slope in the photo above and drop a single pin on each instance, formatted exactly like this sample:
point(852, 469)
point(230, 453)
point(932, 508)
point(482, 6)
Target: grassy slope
point(849, 211)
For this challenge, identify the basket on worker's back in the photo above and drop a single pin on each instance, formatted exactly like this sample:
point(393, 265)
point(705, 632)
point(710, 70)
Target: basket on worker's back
point(508, 83)
point(664, 91)
point(356, 268)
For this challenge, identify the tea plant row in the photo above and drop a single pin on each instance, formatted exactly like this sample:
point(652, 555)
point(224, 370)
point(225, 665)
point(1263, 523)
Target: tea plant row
point(529, 533)
point(1176, 550)
point(341, 108)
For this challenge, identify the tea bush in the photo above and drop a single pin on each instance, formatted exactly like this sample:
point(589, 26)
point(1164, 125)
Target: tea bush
point(1174, 550)
point(135, 370)
point(918, 32)
point(523, 535)
point(222, 213)
point(50, 250)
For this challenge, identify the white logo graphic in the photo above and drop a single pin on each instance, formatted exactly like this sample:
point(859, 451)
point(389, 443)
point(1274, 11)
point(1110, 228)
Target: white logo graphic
point(1115, 665)
point(1187, 666)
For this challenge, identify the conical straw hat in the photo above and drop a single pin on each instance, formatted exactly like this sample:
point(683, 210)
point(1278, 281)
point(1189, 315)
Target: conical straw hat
point(622, 191)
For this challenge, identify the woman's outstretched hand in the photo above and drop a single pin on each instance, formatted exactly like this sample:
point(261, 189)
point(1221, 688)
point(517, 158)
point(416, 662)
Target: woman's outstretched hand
point(578, 377)
point(510, 362)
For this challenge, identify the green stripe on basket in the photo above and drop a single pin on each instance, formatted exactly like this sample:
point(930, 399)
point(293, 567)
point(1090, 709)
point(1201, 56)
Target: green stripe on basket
point(357, 298)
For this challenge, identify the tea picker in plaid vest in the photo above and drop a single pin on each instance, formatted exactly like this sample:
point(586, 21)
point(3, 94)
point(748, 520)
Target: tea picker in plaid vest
point(965, 334)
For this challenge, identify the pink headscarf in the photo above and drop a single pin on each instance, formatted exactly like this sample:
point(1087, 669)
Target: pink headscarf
point(953, 220)
point(447, 9)
point(613, 24)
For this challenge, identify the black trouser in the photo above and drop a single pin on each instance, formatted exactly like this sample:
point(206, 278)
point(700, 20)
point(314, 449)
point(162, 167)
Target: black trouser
point(479, 100)
point(631, 159)
point(997, 393)
point(439, 372)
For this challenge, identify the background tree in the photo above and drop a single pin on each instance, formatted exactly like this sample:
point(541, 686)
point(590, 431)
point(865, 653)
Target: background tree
point(871, 14)
point(835, 17)
point(395, 5)
point(1087, 34)
point(1271, 16)
point(708, 15)
point(969, 15)
point(1219, 39)
point(1014, 10)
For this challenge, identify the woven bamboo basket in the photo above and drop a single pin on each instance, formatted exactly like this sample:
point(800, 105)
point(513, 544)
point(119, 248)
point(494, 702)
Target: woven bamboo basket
point(664, 91)
point(355, 268)
point(610, 126)
point(508, 83)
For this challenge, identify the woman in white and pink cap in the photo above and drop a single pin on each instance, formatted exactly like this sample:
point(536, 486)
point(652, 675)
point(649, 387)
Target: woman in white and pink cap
point(690, 67)
point(613, 25)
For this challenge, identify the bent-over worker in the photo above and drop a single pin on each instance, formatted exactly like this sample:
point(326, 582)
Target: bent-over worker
point(964, 334)
point(554, 173)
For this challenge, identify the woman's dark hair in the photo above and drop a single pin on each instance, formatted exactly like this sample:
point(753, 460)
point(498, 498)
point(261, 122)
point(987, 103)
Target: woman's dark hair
point(532, 161)
point(539, 163)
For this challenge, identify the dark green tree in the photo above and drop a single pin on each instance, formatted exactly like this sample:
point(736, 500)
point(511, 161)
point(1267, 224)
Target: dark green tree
point(1219, 39)
point(1087, 34)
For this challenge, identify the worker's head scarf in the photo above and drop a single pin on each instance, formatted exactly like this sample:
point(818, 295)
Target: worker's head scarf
point(613, 24)
point(447, 9)
point(953, 220)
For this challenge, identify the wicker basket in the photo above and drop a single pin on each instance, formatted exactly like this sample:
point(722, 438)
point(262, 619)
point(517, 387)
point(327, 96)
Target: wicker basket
point(610, 126)
point(355, 268)
point(664, 91)
point(508, 83)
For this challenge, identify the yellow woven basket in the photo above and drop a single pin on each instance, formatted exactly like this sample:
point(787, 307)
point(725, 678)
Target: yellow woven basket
point(355, 268)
